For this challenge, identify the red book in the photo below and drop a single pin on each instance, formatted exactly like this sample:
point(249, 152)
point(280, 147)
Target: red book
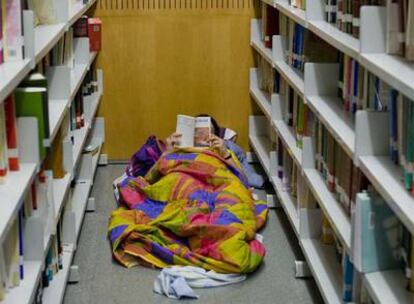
point(272, 25)
point(33, 190)
point(95, 34)
point(11, 131)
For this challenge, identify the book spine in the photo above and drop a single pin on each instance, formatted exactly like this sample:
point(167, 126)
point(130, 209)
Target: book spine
point(13, 39)
point(348, 276)
point(11, 128)
point(21, 237)
point(1, 34)
point(3, 145)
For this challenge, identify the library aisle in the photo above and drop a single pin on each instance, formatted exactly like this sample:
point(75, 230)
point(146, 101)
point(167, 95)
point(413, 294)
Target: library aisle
point(102, 280)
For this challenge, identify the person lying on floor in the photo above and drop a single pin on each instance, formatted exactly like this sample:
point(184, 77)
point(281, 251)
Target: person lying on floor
point(222, 139)
point(187, 206)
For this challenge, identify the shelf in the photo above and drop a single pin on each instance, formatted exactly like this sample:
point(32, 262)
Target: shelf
point(339, 122)
point(344, 42)
point(12, 196)
point(60, 190)
point(262, 147)
point(293, 77)
point(78, 74)
point(394, 70)
point(55, 291)
point(80, 136)
point(92, 57)
point(95, 160)
point(262, 101)
point(95, 104)
point(325, 268)
point(336, 215)
point(11, 74)
point(269, 2)
point(57, 111)
point(80, 197)
point(387, 178)
point(46, 37)
point(298, 15)
point(388, 287)
point(25, 292)
point(287, 203)
point(289, 140)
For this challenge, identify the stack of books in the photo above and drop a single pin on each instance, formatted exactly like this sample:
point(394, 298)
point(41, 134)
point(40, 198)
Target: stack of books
point(345, 14)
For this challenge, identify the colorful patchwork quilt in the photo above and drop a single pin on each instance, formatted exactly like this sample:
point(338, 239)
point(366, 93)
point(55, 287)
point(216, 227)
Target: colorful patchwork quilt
point(191, 208)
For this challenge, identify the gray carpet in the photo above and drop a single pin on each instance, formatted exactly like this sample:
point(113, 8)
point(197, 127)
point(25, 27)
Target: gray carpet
point(104, 281)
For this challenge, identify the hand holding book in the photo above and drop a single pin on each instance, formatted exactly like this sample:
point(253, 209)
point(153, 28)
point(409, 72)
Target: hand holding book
point(219, 144)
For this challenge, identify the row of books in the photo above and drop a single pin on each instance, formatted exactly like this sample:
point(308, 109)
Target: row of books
point(303, 45)
point(379, 241)
point(401, 122)
point(345, 14)
point(297, 115)
point(45, 11)
point(360, 89)
point(31, 99)
point(400, 28)
point(341, 176)
point(38, 204)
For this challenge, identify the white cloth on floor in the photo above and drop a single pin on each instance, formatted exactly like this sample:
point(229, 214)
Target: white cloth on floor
point(175, 282)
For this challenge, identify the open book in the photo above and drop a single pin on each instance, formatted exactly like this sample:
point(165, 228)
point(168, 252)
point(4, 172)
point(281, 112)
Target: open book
point(195, 131)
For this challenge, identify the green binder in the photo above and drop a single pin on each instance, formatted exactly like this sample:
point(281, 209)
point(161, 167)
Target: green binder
point(33, 102)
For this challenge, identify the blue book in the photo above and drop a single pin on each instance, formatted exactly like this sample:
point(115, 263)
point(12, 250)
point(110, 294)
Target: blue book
point(348, 278)
point(356, 85)
point(300, 45)
point(21, 236)
point(374, 234)
point(393, 125)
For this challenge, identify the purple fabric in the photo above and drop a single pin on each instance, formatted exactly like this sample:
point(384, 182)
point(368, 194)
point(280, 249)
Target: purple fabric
point(145, 157)
point(117, 231)
point(151, 207)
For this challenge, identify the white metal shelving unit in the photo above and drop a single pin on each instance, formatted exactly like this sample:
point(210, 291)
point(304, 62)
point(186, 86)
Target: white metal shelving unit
point(364, 137)
point(64, 83)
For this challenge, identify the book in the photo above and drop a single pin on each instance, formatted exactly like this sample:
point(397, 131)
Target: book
point(95, 34)
point(348, 278)
point(12, 31)
point(270, 24)
point(32, 102)
point(45, 11)
point(374, 234)
point(395, 27)
point(409, 35)
point(11, 255)
point(80, 28)
point(54, 159)
point(2, 25)
point(3, 145)
point(195, 131)
point(11, 130)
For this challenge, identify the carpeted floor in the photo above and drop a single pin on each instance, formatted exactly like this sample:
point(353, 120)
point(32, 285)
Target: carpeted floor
point(103, 281)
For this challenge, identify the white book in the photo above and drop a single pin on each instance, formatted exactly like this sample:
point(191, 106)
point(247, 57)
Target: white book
point(395, 35)
point(195, 131)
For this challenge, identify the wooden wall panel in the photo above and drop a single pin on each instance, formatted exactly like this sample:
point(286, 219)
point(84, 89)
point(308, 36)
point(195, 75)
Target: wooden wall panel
point(164, 57)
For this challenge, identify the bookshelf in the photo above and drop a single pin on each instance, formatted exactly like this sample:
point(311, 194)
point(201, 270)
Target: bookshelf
point(64, 83)
point(364, 138)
